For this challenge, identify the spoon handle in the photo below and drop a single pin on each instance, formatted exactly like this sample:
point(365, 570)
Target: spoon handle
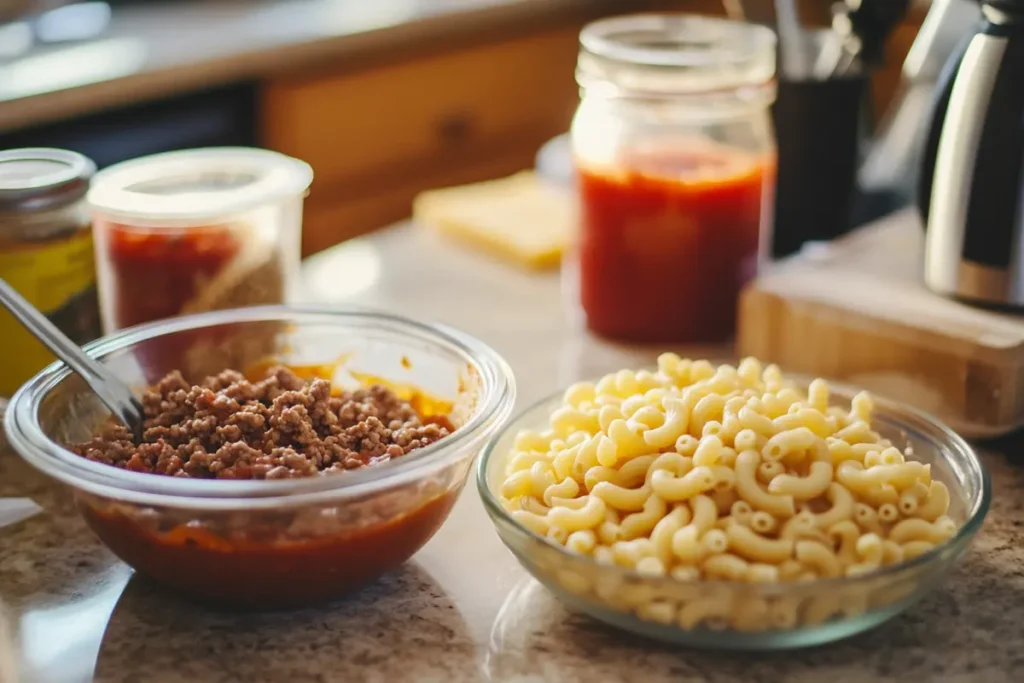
point(110, 389)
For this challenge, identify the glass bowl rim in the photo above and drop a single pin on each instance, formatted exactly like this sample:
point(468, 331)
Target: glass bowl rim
point(899, 411)
point(27, 438)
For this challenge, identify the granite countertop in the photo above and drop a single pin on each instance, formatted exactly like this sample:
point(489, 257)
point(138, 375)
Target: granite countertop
point(462, 610)
point(158, 49)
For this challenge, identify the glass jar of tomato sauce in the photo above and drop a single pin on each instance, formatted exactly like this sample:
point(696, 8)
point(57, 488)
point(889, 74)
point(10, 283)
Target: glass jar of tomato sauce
point(675, 165)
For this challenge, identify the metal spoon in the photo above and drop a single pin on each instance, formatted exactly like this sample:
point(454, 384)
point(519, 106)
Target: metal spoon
point(792, 40)
point(112, 391)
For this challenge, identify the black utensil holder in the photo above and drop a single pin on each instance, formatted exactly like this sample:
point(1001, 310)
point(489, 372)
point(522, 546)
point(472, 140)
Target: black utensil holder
point(818, 132)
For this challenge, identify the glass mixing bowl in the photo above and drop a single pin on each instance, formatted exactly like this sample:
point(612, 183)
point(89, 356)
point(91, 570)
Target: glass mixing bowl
point(708, 613)
point(284, 543)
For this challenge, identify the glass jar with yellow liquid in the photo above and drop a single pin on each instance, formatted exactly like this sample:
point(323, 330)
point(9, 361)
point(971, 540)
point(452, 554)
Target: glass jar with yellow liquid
point(46, 253)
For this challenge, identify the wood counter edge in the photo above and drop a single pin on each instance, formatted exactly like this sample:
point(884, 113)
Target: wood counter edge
point(983, 380)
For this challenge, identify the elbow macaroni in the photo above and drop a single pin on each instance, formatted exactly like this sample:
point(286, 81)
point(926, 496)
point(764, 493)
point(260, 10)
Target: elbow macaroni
point(695, 472)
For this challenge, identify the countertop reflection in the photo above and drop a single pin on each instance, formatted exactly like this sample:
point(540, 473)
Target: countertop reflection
point(463, 610)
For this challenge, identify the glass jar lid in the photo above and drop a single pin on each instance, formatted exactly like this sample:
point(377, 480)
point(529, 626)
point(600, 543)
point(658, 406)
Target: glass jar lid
point(659, 55)
point(191, 187)
point(40, 179)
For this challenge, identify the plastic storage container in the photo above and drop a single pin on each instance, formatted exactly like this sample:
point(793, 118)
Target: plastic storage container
point(675, 161)
point(195, 231)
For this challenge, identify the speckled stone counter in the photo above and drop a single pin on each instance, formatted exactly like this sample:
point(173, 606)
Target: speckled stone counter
point(463, 609)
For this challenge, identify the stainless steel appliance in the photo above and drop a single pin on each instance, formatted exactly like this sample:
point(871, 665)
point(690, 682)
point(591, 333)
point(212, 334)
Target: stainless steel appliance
point(893, 159)
point(972, 180)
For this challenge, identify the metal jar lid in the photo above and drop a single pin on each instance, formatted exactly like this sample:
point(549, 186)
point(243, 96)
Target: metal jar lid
point(40, 179)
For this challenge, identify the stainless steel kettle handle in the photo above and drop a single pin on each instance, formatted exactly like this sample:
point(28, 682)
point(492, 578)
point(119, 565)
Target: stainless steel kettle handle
point(940, 104)
point(996, 24)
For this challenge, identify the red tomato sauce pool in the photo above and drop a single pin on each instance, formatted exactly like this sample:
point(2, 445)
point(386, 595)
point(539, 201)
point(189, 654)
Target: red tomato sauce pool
point(271, 572)
point(667, 241)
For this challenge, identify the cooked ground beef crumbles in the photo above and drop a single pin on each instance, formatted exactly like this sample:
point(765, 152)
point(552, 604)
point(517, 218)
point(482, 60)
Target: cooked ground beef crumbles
point(277, 428)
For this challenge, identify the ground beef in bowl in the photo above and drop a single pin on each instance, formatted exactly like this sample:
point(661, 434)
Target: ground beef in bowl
point(279, 427)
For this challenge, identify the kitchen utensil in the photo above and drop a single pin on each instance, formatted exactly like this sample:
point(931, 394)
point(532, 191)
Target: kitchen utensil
point(793, 55)
point(619, 596)
point(860, 29)
point(972, 180)
point(818, 134)
point(114, 393)
point(873, 21)
point(856, 310)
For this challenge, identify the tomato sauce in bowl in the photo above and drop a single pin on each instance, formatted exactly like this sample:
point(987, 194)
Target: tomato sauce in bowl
point(286, 556)
point(263, 568)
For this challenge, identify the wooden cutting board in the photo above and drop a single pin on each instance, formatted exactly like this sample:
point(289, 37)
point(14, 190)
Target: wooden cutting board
point(855, 310)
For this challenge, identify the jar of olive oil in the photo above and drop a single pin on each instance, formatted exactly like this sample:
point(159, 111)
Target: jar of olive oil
point(46, 253)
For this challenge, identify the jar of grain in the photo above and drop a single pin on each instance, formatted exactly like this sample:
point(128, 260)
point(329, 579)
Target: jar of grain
point(195, 231)
point(46, 253)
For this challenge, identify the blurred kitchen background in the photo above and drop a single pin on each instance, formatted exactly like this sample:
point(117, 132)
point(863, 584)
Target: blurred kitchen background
point(387, 98)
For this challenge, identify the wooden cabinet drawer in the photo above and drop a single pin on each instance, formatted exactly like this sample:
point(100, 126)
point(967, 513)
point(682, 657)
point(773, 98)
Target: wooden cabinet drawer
point(360, 130)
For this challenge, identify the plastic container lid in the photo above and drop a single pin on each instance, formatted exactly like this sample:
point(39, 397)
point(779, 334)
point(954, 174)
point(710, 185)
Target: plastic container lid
point(196, 186)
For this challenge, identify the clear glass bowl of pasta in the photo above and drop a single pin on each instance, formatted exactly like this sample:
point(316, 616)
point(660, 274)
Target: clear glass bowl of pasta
point(753, 580)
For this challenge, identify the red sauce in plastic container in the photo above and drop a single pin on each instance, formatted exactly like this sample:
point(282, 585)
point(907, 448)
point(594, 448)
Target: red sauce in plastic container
point(668, 238)
point(155, 273)
point(196, 230)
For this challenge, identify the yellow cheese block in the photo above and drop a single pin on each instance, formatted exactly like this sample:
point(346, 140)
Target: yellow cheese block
point(518, 218)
